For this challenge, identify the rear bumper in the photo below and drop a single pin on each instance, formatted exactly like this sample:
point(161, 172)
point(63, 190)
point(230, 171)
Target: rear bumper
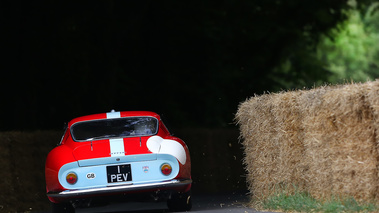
point(172, 184)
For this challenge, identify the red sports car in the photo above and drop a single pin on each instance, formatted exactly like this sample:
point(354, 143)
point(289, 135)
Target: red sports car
point(118, 154)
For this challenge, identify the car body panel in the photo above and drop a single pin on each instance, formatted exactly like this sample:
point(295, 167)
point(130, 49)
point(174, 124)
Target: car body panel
point(140, 155)
point(144, 168)
point(103, 148)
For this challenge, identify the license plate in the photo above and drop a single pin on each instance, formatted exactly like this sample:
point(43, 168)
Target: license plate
point(119, 173)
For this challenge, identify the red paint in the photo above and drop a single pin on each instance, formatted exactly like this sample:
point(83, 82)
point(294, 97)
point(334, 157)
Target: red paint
point(136, 145)
point(70, 151)
point(89, 150)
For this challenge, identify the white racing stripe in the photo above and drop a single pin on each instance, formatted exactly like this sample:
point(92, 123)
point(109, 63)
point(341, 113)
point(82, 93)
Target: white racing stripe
point(113, 115)
point(117, 147)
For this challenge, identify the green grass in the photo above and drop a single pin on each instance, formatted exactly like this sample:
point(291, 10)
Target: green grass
point(304, 202)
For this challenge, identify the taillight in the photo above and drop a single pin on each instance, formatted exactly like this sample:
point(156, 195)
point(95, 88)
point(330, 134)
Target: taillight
point(166, 169)
point(71, 178)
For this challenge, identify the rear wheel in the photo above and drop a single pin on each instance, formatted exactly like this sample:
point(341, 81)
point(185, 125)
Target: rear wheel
point(180, 202)
point(62, 208)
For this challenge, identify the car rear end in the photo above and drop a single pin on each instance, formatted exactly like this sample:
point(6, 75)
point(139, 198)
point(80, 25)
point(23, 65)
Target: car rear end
point(117, 162)
point(123, 174)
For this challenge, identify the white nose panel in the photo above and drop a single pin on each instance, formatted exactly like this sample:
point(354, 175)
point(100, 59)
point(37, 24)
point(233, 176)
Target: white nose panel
point(159, 145)
point(154, 144)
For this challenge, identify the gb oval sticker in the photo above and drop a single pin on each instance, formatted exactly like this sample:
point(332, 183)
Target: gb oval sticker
point(91, 175)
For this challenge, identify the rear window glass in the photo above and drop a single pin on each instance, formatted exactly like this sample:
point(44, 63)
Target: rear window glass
point(114, 128)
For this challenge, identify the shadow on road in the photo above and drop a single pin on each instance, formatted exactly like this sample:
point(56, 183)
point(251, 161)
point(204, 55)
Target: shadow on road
point(220, 202)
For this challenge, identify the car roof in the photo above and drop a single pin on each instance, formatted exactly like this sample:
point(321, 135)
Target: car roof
point(113, 114)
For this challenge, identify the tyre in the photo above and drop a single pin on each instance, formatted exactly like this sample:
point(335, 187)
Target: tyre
point(180, 202)
point(62, 208)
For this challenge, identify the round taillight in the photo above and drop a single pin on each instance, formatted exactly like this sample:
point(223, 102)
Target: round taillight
point(166, 169)
point(71, 178)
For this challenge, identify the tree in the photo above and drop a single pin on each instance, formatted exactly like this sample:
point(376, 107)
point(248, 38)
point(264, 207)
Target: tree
point(351, 51)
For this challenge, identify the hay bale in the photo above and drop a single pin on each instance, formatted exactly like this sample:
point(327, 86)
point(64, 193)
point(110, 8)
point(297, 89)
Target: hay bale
point(272, 139)
point(289, 137)
point(339, 144)
point(260, 151)
point(316, 156)
point(322, 140)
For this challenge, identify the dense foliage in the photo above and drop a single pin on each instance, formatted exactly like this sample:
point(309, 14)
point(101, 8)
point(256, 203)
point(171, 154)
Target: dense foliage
point(351, 52)
point(192, 61)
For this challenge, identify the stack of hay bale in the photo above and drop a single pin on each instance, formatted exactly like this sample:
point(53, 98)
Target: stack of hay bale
point(323, 141)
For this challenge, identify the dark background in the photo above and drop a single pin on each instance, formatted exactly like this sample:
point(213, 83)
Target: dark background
point(191, 61)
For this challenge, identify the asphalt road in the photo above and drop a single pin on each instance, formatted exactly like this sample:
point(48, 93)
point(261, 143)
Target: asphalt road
point(206, 203)
point(236, 202)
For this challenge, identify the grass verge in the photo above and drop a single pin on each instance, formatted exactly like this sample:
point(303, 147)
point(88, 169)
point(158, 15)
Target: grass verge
point(304, 202)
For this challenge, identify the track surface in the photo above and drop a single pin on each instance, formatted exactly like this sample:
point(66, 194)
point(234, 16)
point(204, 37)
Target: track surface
point(208, 203)
point(236, 202)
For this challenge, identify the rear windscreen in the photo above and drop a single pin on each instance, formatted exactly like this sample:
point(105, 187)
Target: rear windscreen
point(114, 128)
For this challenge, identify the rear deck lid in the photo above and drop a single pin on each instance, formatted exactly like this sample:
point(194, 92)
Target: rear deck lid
point(111, 148)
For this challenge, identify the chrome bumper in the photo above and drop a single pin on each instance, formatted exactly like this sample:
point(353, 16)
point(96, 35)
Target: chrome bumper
point(119, 188)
